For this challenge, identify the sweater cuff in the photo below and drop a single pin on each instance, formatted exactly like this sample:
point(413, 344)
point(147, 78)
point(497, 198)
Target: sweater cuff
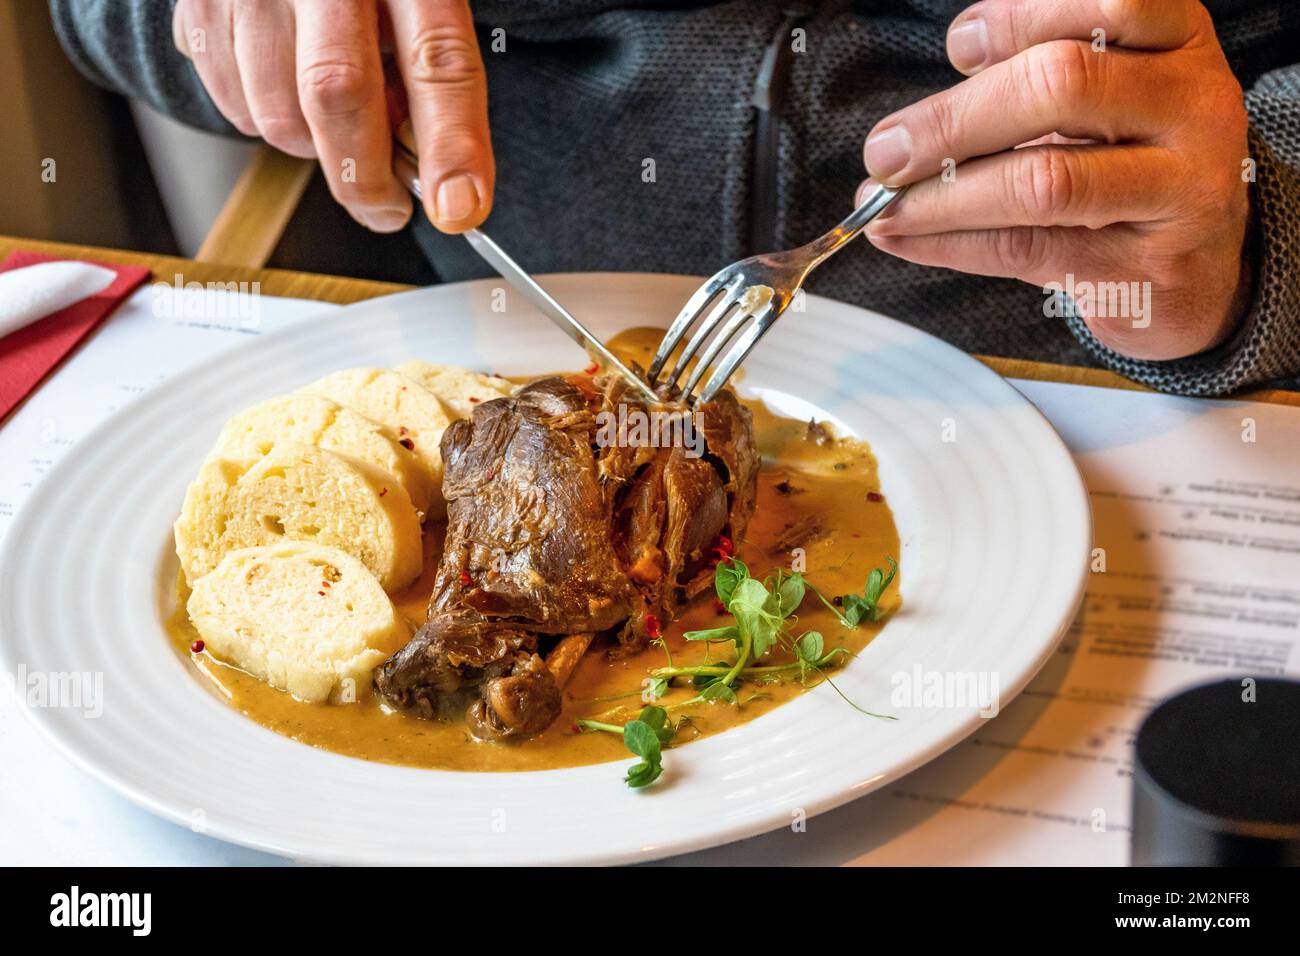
point(1266, 346)
point(127, 47)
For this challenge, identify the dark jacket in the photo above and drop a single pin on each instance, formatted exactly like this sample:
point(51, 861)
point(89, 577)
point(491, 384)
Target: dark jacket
point(747, 159)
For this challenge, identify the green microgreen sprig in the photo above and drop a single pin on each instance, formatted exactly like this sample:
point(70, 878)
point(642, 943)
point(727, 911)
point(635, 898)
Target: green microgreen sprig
point(760, 611)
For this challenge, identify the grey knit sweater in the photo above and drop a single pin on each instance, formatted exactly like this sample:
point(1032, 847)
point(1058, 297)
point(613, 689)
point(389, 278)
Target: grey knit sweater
point(588, 90)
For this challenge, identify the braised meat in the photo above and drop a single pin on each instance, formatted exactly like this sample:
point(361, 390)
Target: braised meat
point(562, 519)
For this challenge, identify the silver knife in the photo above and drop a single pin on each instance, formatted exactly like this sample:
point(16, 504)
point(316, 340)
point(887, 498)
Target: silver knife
point(407, 168)
point(525, 284)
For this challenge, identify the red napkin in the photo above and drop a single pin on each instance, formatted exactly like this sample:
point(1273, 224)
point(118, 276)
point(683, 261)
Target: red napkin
point(28, 354)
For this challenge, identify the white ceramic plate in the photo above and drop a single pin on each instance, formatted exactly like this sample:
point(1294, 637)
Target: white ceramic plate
point(995, 531)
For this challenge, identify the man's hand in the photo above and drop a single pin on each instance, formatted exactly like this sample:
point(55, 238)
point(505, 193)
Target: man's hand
point(307, 76)
point(1131, 168)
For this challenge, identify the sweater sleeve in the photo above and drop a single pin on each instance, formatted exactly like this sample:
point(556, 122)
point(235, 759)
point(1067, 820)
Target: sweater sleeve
point(1266, 347)
point(126, 46)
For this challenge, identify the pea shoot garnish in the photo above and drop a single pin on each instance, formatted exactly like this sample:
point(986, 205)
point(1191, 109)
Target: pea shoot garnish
point(762, 615)
point(646, 737)
point(865, 606)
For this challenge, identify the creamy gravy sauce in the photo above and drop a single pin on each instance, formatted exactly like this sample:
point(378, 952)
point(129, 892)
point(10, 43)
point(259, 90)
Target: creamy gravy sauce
point(811, 494)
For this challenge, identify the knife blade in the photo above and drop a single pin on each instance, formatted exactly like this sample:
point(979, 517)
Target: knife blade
point(407, 167)
point(545, 303)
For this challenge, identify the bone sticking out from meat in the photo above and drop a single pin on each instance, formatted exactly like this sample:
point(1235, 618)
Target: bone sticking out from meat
point(565, 655)
point(554, 532)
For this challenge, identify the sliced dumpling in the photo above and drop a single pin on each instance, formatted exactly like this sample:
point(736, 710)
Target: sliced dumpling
point(401, 404)
point(306, 619)
point(317, 420)
point(459, 389)
point(300, 493)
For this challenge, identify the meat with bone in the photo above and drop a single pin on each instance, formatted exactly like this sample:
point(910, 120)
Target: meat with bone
point(553, 530)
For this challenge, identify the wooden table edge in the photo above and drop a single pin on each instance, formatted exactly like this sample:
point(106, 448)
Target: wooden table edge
point(343, 290)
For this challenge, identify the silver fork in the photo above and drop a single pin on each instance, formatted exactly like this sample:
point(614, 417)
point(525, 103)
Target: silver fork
point(753, 294)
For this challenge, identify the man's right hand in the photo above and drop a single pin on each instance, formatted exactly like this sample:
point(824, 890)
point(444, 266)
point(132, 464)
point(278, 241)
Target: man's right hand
point(307, 77)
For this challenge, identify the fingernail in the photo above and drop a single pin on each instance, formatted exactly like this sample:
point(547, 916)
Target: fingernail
point(456, 199)
point(877, 236)
point(863, 190)
point(879, 227)
point(387, 220)
point(888, 152)
point(968, 45)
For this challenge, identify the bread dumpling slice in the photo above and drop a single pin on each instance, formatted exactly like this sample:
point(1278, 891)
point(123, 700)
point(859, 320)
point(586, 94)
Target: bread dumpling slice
point(300, 493)
point(306, 619)
point(459, 389)
point(402, 405)
point(316, 420)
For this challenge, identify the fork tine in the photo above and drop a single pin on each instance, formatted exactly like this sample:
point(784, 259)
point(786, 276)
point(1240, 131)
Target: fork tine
point(720, 341)
point(695, 305)
point(729, 300)
point(731, 361)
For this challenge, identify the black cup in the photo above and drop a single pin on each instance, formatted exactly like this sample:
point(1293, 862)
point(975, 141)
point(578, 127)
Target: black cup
point(1217, 777)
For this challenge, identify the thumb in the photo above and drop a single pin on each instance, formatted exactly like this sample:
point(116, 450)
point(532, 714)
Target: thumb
point(446, 91)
